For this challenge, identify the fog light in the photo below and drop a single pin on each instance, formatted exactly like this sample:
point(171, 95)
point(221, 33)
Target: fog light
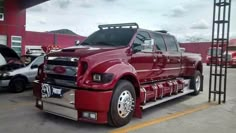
point(40, 103)
point(86, 114)
point(93, 116)
point(90, 115)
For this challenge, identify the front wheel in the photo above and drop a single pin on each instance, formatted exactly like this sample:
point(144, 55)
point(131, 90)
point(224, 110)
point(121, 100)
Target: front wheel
point(122, 104)
point(196, 83)
point(17, 85)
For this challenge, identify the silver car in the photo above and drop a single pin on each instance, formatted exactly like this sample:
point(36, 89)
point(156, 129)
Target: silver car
point(17, 73)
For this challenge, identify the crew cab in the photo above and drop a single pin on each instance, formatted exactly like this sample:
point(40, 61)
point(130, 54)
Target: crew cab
point(17, 73)
point(116, 73)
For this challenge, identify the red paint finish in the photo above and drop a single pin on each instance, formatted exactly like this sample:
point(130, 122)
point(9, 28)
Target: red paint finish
point(14, 21)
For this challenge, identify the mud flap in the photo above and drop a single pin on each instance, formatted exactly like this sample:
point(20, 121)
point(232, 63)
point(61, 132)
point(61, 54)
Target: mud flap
point(138, 110)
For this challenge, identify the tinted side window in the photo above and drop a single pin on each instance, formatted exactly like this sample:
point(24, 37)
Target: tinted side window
point(171, 43)
point(160, 44)
point(139, 42)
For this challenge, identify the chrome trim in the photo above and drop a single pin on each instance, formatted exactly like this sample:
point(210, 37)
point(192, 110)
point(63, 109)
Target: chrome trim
point(61, 82)
point(155, 88)
point(70, 113)
point(70, 70)
point(58, 58)
point(66, 100)
point(145, 94)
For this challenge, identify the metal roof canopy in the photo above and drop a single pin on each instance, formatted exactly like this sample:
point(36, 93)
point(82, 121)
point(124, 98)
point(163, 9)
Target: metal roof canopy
point(24, 4)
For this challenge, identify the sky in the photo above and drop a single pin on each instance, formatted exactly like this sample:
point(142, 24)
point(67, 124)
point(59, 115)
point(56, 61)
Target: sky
point(186, 19)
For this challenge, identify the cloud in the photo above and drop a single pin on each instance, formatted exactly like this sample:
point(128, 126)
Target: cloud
point(177, 11)
point(63, 4)
point(201, 24)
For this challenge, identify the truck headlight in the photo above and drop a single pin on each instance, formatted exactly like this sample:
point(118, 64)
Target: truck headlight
point(97, 77)
point(102, 77)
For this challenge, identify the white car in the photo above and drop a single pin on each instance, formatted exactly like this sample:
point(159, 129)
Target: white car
point(15, 73)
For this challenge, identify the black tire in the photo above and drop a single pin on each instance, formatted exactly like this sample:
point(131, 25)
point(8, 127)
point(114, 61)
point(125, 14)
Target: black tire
point(196, 83)
point(17, 85)
point(123, 91)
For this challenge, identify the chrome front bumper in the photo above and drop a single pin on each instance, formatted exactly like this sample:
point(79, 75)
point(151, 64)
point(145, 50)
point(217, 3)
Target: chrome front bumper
point(59, 110)
point(63, 105)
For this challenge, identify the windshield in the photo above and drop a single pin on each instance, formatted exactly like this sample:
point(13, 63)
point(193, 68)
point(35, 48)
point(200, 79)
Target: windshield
point(232, 48)
point(214, 51)
point(110, 37)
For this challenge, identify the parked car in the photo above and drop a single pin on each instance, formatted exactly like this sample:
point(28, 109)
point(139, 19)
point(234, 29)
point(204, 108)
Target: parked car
point(116, 73)
point(17, 73)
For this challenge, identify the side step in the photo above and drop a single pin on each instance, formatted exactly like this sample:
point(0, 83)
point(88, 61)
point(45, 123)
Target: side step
point(186, 91)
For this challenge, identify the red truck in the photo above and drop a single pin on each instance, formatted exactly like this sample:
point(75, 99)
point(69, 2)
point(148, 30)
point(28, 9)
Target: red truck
point(231, 57)
point(116, 73)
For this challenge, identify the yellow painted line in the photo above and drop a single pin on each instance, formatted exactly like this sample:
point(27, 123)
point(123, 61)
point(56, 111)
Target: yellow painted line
point(16, 105)
point(161, 119)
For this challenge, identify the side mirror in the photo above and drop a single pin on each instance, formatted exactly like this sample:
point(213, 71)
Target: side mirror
point(77, 42)
point(34, 66)
point(182, 49)
point(149, 42)
point(136, 48)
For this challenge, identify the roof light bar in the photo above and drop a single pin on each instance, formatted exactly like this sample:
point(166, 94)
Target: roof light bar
point(123, 25)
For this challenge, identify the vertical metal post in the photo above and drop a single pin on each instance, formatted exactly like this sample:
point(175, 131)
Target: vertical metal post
point(216, 56)
point(212, 43)
point(227, 44)
point(220, 39)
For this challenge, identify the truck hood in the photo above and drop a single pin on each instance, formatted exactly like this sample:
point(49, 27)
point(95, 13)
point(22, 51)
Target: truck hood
point(8, 52)
point(83, 51)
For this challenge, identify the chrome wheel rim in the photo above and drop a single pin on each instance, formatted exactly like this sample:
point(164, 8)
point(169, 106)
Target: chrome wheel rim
point(125, 104)
point(198, 83)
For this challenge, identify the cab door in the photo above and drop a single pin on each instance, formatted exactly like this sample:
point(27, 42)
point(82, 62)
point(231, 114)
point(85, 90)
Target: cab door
point(173, 56)
point(160, 57)
point(142, 56)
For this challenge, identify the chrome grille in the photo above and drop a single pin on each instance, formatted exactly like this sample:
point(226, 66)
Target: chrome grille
point(67, 77)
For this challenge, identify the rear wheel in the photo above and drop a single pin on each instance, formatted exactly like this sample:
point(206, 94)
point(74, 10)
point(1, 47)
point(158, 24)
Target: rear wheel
point(196, 83)
point(122, 104)
point(17, 85)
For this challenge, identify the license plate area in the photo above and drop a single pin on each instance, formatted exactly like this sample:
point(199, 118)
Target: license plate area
point(58, 95)
point(51, 91)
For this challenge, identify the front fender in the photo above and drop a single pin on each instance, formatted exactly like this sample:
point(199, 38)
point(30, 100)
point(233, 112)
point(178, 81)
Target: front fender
point(118, 68)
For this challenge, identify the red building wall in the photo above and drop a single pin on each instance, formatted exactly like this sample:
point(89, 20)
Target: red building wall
point(45, 39)
point(198, 47)
point(14, 21)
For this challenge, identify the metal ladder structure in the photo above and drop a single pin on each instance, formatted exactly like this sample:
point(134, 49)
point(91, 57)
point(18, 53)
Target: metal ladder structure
point(220, 38)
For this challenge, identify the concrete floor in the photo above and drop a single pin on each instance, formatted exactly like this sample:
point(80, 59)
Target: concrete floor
point(18, 115)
